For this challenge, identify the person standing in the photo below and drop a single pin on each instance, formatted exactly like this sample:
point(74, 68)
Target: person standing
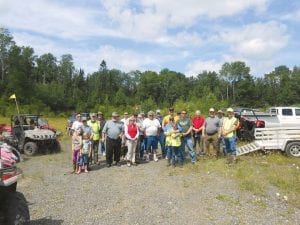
point(221, 142)
point(198, 123)
point(95, 125)
point(171, 114)
point(132, 135)
point(112, 133)
point(77, 123)
point(125, 118)
point(151, 128)
point(230, 124)
point(141, 142)
point(173, 141)
point(211, 132)
point(102, 122)
point(76, 147)
point(162, 137)
point(186, 125)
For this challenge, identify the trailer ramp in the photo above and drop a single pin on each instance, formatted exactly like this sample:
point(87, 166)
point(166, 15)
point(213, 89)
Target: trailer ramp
point(251, 147)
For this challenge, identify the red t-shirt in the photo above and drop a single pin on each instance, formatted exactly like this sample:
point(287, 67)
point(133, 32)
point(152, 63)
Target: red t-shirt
point(198, 122)
point(132, 130)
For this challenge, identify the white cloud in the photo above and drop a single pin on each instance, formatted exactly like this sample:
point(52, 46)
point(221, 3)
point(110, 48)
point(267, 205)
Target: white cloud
point(89, 60)
point(54, 19)
point(256, 41)
point(198, 66)
point(153, 21)
point(293, 16)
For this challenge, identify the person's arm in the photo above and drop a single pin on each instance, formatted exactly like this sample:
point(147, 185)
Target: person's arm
point(188, 131)
point(126, 133)
point(137, 134)
point(104, 130)
point(204, 129)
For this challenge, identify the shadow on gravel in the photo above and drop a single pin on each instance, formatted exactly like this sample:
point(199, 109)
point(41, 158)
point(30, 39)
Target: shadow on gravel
point(46, 221)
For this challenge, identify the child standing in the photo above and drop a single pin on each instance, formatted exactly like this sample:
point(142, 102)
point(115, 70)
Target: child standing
point(173, 141)
point(76, 146)
point(85, 152)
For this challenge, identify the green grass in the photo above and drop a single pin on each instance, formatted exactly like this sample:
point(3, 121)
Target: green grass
point(255, 173)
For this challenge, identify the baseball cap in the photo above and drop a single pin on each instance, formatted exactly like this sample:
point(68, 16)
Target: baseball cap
point(93, 114)
point(230, 110)
point(158, 111)
point(211, 109)
point(220, 111)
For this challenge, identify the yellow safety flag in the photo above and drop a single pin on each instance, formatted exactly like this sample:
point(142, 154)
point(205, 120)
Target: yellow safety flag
point(13, 96)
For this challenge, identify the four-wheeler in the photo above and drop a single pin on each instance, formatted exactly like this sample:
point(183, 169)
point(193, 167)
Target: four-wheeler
point(29, 137)
point(13, 205)
point(248, 121)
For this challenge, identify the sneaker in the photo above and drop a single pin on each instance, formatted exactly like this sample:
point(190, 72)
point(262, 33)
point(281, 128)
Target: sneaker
point(155, 158)
point(104, 154)
point(128, 164)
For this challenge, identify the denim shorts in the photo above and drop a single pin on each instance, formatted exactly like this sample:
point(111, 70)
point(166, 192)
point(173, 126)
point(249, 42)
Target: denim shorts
point(151, 141)
point(84, 159)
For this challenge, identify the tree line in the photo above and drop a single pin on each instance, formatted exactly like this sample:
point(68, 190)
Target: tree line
point(46, 84)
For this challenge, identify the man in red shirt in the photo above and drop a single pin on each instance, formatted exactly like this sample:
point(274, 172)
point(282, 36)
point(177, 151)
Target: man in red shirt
point(198, 122)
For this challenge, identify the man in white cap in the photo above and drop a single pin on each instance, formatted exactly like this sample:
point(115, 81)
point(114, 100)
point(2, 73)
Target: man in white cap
point(230, 124)
point(211, 132)
point(112, 132)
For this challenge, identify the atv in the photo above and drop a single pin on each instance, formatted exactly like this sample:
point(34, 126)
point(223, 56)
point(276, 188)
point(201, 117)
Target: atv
point(248, 121)
point(29, 137)
point(13, 205)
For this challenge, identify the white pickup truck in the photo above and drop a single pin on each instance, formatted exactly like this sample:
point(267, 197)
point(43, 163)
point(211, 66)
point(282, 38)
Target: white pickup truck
point(281, 117)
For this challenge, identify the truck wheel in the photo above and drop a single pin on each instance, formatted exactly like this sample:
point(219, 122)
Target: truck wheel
point(293, 149)
point(17, 212)
point(30, 148)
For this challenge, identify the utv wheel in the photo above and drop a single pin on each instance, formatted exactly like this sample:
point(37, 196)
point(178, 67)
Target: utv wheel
point(30, 148)
point(55, 146)
point(293, 149)
point(17, 212)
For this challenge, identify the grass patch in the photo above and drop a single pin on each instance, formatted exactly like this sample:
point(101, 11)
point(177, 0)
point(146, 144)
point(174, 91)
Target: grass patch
point(227, 199)
point(256, 173)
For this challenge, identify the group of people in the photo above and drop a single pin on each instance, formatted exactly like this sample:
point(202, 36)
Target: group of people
point(136, 137)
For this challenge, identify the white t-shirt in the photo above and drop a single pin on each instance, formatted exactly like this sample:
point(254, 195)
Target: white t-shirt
point(76, 124)
point(151, 126)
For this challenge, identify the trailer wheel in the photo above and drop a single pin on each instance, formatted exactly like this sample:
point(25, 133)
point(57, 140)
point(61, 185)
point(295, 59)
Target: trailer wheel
point(30, 148)
point(17, 212)
point(293, 149)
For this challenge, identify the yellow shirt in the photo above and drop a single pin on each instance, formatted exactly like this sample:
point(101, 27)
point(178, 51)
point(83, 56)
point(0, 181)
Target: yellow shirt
point(166, 120)
point(96, 129)
point(228, 124)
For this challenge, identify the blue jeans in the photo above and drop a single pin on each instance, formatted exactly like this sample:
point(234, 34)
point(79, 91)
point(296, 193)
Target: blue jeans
point(175, 153)
point(141, 146)
point(187, 140)
point(162, 140)
point(101, 147)
point(230, 145)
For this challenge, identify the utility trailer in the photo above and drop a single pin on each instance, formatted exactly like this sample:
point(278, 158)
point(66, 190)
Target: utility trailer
point(286, 139)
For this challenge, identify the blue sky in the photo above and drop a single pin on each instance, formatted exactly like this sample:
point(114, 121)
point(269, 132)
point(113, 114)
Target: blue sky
point(186, 36)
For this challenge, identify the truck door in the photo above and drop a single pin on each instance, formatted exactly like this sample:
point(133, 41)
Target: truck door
point(287, 116)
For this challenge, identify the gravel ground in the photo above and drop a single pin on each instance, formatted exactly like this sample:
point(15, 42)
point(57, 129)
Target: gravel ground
point(150, 193)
